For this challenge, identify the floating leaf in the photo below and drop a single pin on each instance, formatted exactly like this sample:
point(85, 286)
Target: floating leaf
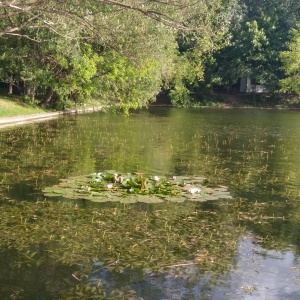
point(52, 195)
point(149, 199)
point(135, 187)
point(128, 200)
point(176, 199)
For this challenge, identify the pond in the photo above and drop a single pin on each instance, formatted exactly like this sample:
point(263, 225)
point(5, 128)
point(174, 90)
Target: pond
point(246, 247)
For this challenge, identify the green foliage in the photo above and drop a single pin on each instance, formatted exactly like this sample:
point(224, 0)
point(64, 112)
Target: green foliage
point(291, 64)
point(118, 55)
point(79, 67)
point(122, 82)
point(258, 35)
point(127, 52)
point(180, 96)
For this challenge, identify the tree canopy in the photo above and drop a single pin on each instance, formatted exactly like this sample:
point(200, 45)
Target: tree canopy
point(60, 52)
point(259, 34)
point(291, 64)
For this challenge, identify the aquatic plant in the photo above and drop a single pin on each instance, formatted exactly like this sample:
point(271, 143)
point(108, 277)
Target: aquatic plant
point(74, 248)
point(135, 187)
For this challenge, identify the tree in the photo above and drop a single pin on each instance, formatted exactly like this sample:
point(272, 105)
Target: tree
point(258, 35)
point(196, 48)
point(291, 64)
point(18, 15)
point(123, 49)
point(58, 36)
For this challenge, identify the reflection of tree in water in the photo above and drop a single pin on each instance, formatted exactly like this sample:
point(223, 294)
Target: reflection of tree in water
point(181, 282)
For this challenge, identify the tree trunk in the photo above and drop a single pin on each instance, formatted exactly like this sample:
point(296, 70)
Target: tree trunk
point(31, 91)
point(48, 98)
point(10, 85)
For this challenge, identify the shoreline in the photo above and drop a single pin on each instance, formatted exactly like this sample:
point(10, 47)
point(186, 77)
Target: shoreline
point(39, 117)
point(31, 118)
point(226, 106)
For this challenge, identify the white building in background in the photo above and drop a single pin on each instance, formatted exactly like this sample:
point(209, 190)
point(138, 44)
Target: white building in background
point(247, 87)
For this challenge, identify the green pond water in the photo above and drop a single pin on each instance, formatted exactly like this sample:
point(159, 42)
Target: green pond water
point(246, 247)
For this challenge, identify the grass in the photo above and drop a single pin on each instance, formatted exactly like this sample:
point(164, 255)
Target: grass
point(11, 105)
point(14, 105)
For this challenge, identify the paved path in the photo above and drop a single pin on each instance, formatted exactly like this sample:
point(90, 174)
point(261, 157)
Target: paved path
point(25, 119)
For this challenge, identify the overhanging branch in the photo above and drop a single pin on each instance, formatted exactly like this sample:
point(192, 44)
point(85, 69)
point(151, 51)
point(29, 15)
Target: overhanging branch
point(44, 13)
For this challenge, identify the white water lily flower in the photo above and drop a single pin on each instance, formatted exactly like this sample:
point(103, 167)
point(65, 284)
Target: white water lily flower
point(156, 178)
point(194, 190)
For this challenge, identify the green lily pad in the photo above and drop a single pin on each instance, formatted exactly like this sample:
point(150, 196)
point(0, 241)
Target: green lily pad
point(111, 186)
point(226, 197)
point(176, 199)
point(54, 190)
point(149, 199)
point(128, 200)
point(52, 195)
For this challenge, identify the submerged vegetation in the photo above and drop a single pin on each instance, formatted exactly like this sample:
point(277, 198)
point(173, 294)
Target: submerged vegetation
point(76, 245)
point(72, 248)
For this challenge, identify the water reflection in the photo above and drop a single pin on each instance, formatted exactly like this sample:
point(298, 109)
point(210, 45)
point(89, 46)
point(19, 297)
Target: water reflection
point(262, 274)
point(259, 274)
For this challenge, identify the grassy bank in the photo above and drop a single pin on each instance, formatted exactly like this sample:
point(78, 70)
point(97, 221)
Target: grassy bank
point(13, 106)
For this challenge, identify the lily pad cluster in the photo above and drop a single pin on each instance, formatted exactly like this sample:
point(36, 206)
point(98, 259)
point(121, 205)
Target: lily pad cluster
point(136, 187)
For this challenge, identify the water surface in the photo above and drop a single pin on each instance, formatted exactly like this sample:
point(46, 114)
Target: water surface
point(244, 248)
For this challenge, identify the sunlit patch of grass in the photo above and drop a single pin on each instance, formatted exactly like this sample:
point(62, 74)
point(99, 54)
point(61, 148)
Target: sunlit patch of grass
point(11, 105)
point(14, 105)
